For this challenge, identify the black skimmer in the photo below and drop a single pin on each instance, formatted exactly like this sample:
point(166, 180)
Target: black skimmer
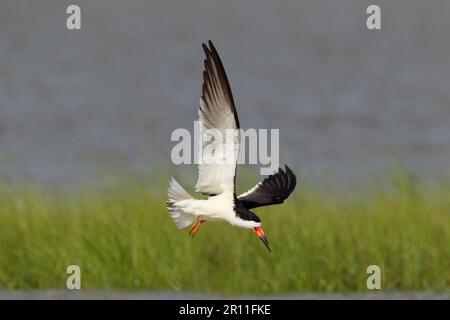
point(217, 179)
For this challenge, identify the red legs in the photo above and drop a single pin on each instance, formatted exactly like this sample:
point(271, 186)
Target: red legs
point(196, 226)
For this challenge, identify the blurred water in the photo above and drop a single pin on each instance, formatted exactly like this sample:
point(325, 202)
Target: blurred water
point(347, 100)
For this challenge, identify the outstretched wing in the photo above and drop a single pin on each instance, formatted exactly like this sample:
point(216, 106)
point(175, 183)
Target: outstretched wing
point(219, 129)
point(272, 190)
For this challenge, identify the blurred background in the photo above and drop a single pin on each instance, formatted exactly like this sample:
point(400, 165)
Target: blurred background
point(347, 100)
point(354, 107)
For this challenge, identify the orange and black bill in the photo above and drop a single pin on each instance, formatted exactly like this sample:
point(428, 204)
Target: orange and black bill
point(260, 233)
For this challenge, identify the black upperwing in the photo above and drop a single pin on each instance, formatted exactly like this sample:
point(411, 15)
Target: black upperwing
point(272, 190)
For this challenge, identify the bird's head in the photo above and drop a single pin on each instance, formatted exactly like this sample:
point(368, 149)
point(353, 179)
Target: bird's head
point(248, 219)
point(259, 231)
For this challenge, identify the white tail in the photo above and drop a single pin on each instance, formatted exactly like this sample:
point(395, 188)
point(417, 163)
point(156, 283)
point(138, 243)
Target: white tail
point(176, 193)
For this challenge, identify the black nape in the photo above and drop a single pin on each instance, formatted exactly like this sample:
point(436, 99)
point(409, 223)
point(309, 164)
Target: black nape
point(244, 213)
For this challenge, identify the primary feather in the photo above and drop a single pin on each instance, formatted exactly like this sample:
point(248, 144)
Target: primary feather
point(272, 190)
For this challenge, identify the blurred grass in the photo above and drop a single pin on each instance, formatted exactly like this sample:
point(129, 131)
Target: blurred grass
point(122, 237)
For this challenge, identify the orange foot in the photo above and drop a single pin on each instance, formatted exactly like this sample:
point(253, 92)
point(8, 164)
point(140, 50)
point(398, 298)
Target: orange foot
point(196, 226)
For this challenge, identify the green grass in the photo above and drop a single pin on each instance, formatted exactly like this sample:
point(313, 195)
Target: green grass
point(122, 237)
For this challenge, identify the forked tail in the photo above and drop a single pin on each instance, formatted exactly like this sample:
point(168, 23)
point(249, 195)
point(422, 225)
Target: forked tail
point(176, 194)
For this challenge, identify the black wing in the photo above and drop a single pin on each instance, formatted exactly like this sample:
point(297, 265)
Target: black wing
point(272, 190)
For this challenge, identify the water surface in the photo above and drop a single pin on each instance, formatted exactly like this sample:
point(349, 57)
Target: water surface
point(347, 100)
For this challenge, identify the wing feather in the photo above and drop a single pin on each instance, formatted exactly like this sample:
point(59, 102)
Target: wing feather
point(272, 190)
point(218, 117)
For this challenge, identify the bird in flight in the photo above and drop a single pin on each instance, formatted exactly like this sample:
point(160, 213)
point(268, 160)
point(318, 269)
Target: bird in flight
point(217, 178)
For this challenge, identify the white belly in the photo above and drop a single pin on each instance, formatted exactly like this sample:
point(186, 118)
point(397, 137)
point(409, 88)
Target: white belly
point(218, 208)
